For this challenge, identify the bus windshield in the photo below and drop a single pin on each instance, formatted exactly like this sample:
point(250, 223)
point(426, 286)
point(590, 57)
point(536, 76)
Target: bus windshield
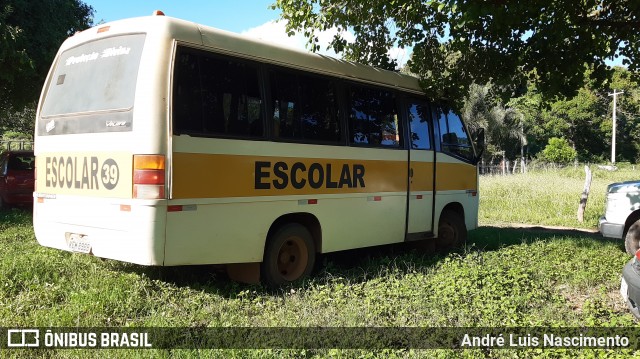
point(94, 77)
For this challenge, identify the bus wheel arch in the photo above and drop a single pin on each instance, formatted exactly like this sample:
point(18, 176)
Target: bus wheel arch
point(290, 249)
point(452, 230)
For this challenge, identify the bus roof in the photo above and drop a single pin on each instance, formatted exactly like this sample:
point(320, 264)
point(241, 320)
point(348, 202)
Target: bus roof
point(257, 49)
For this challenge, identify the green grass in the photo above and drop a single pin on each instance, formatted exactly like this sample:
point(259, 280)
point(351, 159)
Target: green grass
point(548, 198)
point(505, 278)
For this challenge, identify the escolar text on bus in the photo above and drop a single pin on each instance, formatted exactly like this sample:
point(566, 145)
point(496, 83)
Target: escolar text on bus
point(81, 172)
point(280, 175)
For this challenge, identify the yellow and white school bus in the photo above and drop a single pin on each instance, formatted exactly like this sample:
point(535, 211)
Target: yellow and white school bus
point(163, 142)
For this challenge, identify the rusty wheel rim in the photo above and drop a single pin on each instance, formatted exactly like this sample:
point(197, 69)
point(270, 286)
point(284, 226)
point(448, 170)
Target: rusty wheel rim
point(292, 258)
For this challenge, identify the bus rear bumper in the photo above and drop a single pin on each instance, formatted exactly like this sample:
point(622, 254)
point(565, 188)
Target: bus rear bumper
point(135, 235)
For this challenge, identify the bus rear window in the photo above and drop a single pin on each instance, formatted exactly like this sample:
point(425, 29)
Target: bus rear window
point(98, 76)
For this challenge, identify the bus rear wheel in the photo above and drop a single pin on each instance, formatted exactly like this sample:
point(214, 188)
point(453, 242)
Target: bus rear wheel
point(289, 255)
point(452, 231)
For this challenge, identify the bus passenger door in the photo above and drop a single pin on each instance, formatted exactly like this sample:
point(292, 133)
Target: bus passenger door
point(421, 171)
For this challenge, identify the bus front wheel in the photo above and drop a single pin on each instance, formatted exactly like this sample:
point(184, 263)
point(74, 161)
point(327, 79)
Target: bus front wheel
point(289, 255)
point(452, 232)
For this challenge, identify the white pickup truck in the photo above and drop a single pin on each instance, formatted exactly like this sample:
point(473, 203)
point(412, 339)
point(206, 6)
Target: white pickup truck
point(622, 214)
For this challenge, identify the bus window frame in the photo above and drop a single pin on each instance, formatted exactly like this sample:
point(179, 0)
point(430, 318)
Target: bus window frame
point(224, 56)
point(401, 118)
point(405, 102)
point(266, 83)
point(440, 146)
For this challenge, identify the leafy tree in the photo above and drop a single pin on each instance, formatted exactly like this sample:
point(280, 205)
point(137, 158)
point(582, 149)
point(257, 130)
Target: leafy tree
point(585, 119)
point(531, 107)
point(580, 120)
point(503, 125)
point(18, 121)
point(558, 151)
point(459, 42)
point(30, 34)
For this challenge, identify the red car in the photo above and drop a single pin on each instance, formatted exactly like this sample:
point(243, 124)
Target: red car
point(16, 178)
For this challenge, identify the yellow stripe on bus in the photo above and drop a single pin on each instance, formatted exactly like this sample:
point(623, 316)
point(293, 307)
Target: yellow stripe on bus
point(197, 175)
point(456, 176)
point(422, 180)
point(216, 176)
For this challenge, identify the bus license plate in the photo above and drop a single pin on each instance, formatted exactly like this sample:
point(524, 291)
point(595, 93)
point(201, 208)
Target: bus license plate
point(78, 243)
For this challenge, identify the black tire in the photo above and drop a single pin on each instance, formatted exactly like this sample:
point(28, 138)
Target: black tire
point(452, 231)
point(289, 255)
point(632, 238)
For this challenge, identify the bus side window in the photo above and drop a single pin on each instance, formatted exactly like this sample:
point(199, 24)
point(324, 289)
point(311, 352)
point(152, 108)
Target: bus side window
point(373, 117)
point(231, 93)
point(304, 107)
point(454, 137)
point(216, 95)
point(418, 113)
point(187, 94)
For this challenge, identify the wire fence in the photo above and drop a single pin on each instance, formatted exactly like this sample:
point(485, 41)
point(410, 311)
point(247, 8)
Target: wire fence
point(16, 145)
point(505, 168)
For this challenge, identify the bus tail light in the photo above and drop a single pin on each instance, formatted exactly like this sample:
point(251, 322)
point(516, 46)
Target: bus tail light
point(148, 176)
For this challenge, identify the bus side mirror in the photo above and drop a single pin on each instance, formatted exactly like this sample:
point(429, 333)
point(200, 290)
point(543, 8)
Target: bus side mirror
point(479, 144)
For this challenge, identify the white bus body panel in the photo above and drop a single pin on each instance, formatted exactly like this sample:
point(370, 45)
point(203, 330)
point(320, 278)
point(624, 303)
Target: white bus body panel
point(133, 235)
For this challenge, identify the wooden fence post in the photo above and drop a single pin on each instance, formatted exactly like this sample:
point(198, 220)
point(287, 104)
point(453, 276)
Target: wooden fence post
point(585, 194)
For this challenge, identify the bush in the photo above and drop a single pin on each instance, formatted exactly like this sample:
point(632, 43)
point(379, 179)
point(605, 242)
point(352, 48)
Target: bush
point(558, 151)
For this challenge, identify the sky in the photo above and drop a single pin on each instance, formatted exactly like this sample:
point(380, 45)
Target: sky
point(249, 17)
point(235, 16)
